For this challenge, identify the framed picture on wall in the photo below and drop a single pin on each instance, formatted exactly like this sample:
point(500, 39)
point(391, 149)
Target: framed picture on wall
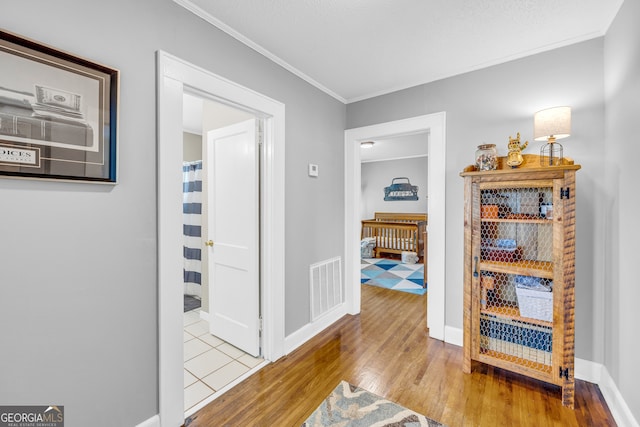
point(58, 114)
point(400, 189)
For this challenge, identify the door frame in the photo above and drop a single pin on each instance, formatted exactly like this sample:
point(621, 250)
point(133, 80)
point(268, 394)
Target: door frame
point(435, 126)
point(173, 77)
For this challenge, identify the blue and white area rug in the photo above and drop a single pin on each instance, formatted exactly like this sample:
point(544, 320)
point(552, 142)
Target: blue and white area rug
point(392, 274)
point(350, 406)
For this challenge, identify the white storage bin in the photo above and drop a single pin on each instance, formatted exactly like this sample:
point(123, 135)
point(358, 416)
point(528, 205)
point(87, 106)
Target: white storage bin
point(535, 304)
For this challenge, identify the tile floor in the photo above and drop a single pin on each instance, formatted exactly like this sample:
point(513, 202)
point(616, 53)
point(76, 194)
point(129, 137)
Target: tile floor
point(209, 363)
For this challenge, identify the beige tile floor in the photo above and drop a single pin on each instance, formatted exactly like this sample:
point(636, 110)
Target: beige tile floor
point(209, 363)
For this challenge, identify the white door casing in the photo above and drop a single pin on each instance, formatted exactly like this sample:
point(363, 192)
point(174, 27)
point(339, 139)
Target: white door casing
point(234, 292)
point(435, 125)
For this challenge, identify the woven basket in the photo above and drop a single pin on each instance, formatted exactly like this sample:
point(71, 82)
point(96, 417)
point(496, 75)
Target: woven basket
point(535, 304)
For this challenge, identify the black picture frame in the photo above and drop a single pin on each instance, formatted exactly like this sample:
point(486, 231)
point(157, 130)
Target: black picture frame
point(58, 114)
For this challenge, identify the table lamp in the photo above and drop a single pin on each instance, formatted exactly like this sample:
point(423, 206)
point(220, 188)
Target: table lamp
point(550, 125)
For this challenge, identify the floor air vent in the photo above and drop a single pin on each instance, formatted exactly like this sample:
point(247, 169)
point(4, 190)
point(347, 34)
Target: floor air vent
point(326, 286)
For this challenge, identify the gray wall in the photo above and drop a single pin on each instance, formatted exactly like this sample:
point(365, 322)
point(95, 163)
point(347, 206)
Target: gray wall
point(378, 175)
point(78, 301)
point(622, 151)
point(192, 147)
point(78, 298)
point(488, 106)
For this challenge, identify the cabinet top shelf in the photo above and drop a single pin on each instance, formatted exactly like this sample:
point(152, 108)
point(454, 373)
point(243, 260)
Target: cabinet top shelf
point(531, 163)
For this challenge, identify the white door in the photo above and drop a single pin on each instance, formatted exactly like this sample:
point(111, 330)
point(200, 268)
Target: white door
point(233, 241)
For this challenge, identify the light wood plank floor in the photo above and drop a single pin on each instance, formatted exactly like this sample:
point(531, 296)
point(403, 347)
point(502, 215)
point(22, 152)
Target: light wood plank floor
point(386, 350)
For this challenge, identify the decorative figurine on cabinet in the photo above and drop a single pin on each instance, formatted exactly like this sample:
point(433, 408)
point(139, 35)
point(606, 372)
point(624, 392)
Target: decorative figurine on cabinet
point(514, 158)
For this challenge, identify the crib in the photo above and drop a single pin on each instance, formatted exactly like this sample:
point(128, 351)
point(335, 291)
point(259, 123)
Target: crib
point(395, 233)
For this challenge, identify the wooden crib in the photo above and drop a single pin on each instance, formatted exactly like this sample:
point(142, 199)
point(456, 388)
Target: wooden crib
point(395, 233)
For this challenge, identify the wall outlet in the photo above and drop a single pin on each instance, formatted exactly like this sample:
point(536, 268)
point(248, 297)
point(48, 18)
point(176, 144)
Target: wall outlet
point(313, 169)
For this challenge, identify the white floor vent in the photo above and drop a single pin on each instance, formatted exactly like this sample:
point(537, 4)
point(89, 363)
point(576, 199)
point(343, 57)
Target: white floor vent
point(326, 286)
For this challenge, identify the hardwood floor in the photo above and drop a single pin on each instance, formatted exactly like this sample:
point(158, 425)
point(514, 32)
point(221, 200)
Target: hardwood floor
point(386, 350)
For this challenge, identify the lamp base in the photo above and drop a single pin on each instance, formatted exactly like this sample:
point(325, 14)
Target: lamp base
point(551, 154)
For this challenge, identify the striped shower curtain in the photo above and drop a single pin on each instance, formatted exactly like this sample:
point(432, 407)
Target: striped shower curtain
point(192, 228)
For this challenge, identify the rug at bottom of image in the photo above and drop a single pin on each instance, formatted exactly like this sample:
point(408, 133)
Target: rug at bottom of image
point(393, 274)
point(351, 406)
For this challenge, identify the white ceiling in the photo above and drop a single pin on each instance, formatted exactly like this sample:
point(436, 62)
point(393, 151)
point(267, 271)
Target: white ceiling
point(356, 49)
point(404, 147)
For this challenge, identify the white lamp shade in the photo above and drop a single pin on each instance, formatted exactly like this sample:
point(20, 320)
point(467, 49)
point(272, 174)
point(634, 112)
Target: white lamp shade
point(554, 122)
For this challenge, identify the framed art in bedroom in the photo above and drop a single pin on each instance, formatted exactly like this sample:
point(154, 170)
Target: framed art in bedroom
point(58, 114)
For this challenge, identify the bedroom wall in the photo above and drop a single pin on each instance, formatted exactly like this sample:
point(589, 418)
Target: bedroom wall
point(620, 158)
point(78, 305)
point(375, 176)
point(491, 104)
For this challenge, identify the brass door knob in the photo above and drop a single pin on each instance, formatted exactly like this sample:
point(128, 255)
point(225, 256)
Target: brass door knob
point(209, 243)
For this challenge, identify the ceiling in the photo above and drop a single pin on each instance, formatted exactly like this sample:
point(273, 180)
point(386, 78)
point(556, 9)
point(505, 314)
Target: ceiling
point(357, 49)
point(403, 147)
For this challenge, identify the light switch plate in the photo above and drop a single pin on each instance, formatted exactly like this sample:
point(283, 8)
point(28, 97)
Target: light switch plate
point(313, 169)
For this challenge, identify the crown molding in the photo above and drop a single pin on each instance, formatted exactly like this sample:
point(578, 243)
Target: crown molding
point(198, 11)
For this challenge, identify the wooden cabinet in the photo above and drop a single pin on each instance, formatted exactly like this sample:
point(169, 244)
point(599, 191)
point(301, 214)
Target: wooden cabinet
point(519, 257)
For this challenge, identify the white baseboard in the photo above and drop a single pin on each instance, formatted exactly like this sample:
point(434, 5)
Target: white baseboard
point(151, 422)
point(453, 335)
point(587, 370)
point(310, 330)
point(617, 405)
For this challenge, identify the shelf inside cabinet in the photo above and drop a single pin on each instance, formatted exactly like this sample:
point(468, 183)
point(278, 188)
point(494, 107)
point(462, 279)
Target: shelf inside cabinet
point(512, 313)
point(542, 269)
point(523, 220)
point(533, 365)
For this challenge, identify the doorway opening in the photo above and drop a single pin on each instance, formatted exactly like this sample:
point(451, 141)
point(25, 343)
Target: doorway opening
point(214, 362)
point(175, 77)
point(394, 214)
point(434, 125)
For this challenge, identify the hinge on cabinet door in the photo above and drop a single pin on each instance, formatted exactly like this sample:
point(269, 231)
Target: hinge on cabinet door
point(564, 373)
point(564, 193)
point(260, 324)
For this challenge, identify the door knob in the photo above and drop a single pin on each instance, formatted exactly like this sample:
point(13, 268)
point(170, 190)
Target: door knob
point(209, 243)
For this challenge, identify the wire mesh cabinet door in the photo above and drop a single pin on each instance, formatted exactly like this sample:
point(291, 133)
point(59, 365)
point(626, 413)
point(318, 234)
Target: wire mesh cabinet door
point(519, 272)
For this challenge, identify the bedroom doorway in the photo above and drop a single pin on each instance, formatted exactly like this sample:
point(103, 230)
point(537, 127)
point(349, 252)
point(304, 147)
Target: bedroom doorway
point(434, 125)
